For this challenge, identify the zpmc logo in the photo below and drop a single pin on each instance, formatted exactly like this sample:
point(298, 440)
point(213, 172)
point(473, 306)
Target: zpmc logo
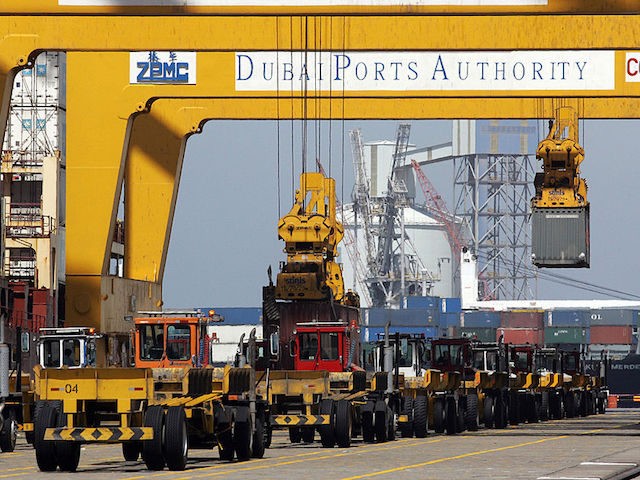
point(632, 67)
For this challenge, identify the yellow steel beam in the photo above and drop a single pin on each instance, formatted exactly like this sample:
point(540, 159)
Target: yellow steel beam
point(21, 36)
point(186, 7)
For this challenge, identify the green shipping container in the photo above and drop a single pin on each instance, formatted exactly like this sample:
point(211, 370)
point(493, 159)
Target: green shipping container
point(482, 334)
point(565, 335)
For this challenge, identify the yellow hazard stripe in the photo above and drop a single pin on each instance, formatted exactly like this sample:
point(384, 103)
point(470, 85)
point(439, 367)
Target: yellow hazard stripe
point(300, 420)
point(102, 434)
point(25, 427)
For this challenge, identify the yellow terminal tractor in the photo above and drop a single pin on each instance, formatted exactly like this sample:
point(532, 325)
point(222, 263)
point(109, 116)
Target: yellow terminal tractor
point(560, 210)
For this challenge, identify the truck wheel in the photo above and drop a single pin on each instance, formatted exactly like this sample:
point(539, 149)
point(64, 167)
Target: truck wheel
point(514, 408)
point(535, 409)
point(501, 411)
point(406, 428)
point(152, 451)
point(343, 423)
point(380, 419)
point(176, 448)
point(295, 434)
point(9, 432)
point(242, 432)
point(327, 432)
point(451, 417)
point(308, 434)
point(439, 415)
point(368, 433)
point(225, 443)
point(131, 451)
point(471, 413)
point(67, 452)
point(420, 417)
point(460, 425)
point(45, 450)
point(488, 411)
point(569, 406)
point(391, 425)
point(258, 441)
point(544, 406)
point(602, 408)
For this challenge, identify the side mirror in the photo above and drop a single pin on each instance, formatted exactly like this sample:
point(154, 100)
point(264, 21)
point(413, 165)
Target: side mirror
point(293, 351)
point(24, 342)
point(274, 344)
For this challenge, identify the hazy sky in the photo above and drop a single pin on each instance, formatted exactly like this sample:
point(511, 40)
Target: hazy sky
point(224, 235)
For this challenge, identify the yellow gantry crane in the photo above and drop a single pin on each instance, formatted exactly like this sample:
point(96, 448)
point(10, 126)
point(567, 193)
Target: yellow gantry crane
point(560, 210)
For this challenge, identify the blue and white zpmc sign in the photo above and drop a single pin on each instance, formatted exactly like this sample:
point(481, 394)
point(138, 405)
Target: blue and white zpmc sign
point(162, 67)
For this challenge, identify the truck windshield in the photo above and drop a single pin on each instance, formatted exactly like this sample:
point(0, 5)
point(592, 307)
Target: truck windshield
point(308, 346)
point(178, 342)
point(329, 346)
point(448, 355)
point(406, 355)
point(51, 353)
point(151, 342)
point(71, 352)
point(521, 361)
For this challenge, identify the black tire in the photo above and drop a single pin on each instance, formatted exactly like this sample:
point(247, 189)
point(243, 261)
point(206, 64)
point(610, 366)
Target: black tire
point(570, 405)
point(45, 450)
point(451, 416)
point(471, 413)
point(176, 448)
point(9, 432)
point(343, 423)
point(544, 406)
point(407, 428)
point(602, 406)
point(380, 421)
point(488, 406)
point(30, 436)
point(152, 451)
point(258, 443)
point(242, 438)
point(514, 408)
point(420, 416)
point(67, 452)
point(308, 434)
point(295, 434)
point(225, 443)
point(131, 451)
point(439, 415)
point(501, 411)
point(534, 416)
point(327, 432)
point(391, 425)
point(460, 426)
point(368, 433)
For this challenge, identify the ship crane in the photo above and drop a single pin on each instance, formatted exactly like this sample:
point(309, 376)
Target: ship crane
point(394, 267)
point(436, 205)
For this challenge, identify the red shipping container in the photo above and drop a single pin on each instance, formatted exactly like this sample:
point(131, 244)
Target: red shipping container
point(611, 334)
point(518, 336)
point(522, 319)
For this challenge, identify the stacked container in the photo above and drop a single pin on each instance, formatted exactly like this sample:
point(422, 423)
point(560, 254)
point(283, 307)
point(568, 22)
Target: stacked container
point(519, 336)
point(568, 318)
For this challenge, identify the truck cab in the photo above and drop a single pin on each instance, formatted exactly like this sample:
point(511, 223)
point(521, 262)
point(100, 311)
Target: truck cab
point(330, 346)
point(70, 347)
point(410, 354)
point(173, 339)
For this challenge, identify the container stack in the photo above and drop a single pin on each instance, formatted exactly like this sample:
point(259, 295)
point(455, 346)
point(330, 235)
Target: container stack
point(521, 327)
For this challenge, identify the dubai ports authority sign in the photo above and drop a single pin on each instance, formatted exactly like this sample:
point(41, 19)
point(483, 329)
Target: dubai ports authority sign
point(528, 70)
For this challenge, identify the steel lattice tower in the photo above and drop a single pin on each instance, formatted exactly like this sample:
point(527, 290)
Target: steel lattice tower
point(492, 194)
